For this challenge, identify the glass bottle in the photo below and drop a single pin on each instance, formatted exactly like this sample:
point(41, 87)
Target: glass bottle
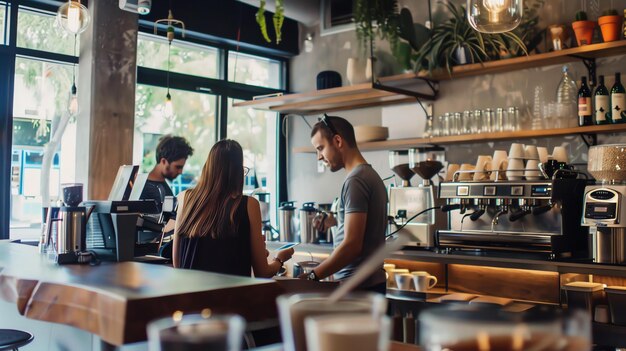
point(601, 103)
point(566, 95)
point(584, 104)
point(618, 101)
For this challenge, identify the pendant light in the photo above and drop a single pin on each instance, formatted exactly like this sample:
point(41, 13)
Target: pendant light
point(170, 21)
point(73, 17)
point(494, 16)
point(72, 104)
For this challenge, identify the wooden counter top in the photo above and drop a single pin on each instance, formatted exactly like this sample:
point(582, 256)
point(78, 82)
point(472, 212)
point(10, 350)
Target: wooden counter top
point(117, 300)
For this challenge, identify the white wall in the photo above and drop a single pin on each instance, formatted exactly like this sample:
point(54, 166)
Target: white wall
point(499, 90)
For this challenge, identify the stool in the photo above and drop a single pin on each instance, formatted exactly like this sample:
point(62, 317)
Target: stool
point(12, 339)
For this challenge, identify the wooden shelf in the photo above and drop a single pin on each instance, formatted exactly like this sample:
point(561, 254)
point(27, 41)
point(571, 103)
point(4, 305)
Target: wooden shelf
point(546, 59)
point(366, 95)
point(399, 144)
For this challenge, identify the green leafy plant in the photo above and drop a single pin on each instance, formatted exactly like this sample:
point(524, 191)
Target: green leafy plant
point(456, 34)
point(376, 18)
point(277, 19)
point(412, 37)
point(528, 30)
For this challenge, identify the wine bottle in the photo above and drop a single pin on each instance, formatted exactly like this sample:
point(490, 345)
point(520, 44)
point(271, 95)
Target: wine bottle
point(601, 103)
point(584, 104)
point(618, 101)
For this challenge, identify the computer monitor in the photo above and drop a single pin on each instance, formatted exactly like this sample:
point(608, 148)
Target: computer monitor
point(123, 185)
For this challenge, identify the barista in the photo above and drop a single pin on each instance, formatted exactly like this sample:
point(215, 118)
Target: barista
point(362, 213)
point(171, 155)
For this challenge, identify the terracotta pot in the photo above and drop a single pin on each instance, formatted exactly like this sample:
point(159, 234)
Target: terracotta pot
point(611, 27)
point(583, 31)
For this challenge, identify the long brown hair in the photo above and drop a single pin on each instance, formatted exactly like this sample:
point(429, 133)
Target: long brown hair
point(209, 208)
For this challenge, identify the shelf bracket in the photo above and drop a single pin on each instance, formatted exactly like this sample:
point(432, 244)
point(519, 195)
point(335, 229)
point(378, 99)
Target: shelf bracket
point(590, 139)
point(590, 63)
point(434, 88)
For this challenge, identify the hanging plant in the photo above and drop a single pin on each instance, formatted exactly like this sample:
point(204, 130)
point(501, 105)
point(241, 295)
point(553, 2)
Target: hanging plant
point(277, 19)
point(376, 18)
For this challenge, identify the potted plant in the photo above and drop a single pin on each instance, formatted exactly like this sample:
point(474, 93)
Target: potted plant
point(583, 28)
point(376, 17)
point(454, 40)
point(611, 25)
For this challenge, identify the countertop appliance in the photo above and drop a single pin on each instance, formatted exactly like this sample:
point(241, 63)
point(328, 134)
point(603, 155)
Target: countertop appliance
point(308, 234)
point(604, 207)
point(529, 216)
point(287, 222)
point(405, 201)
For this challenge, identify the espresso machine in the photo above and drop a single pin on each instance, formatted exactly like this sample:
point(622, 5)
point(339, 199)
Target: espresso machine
point(604, 207)
point(406, 201)
point(533, 216)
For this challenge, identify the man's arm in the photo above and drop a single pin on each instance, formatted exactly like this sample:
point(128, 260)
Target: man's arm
point(351, 247)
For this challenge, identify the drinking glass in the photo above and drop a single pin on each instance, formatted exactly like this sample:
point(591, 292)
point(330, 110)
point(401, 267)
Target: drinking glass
point(488, 119)
point(195, 332)
point(499, 122)
point(478, 121)
point(294, 309)
point(468, 116)
point(341, 332)
point(447, 124)
point(458, 123)
point(467, 327)
point(437, 123)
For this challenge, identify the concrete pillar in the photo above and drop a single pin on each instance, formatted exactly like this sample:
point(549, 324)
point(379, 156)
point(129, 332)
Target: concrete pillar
point(106, 93)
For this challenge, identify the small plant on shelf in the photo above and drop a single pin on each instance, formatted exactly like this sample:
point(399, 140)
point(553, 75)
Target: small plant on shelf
point(611, 25)
point(583, 28)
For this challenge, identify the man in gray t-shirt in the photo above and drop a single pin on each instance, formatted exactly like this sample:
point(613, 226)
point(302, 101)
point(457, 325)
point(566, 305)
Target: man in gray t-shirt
point(362, 213)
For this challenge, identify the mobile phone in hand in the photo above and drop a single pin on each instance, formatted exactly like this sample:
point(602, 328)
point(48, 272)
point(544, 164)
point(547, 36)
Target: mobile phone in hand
point(287, 246)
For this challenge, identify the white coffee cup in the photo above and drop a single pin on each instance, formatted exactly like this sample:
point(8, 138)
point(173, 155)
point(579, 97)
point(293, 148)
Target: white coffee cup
point(531, 152)
point(532, 170)
point(422, 281)
point(391, 275)
point(482, 164)
point(516, 151)
point(404, 281)
point(347, 332)
point(543, 154)
point(468, 175)
point(515, 169)
point(452, 168)
point(499, 162)
point(560, 154)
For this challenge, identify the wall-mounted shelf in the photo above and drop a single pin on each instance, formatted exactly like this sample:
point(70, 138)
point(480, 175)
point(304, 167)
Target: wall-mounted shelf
point(422, 86)
point(400, 144)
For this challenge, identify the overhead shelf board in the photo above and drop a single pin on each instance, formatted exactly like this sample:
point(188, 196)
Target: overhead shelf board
point(399, 144)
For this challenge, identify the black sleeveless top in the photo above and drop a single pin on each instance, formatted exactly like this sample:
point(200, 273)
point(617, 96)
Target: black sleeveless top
point(229, 254)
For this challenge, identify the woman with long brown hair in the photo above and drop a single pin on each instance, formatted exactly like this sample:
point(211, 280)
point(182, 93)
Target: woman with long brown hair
point(218, 228)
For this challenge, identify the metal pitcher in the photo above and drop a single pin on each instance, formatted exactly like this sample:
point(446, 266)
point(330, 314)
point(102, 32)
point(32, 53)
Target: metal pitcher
point(308, 234)
point(287, 222)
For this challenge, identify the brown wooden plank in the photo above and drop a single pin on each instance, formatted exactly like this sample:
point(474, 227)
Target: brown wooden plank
point(117, 300)
point(518, 284)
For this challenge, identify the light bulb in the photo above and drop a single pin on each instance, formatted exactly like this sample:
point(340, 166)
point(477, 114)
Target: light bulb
point(495, 7)
point(72, 106)
point(494, 16)
point(143, 6)
point(168, 110)
point(73, 17)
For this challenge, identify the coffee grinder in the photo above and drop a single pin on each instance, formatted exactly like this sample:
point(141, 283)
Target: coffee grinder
point(405, 201)
point(70, 245)
point(269, 233)
point(604, 203)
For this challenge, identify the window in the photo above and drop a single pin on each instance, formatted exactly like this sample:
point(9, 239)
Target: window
point(40, 101)
point(194, 119)
point(254, 70)
point(39, 31)
point(3, 12)
point(256, 132)
point(184, 58)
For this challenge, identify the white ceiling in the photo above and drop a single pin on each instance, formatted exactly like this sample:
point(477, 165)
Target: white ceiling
point(306, 12)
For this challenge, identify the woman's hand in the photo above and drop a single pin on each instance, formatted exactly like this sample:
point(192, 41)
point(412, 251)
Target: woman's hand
point(285, 255)
point(322, 221)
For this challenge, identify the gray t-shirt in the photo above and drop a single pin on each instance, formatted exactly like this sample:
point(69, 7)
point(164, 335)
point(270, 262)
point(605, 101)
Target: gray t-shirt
point(363, 191)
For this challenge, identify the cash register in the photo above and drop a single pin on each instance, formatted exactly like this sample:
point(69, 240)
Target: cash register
point(115, 226)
